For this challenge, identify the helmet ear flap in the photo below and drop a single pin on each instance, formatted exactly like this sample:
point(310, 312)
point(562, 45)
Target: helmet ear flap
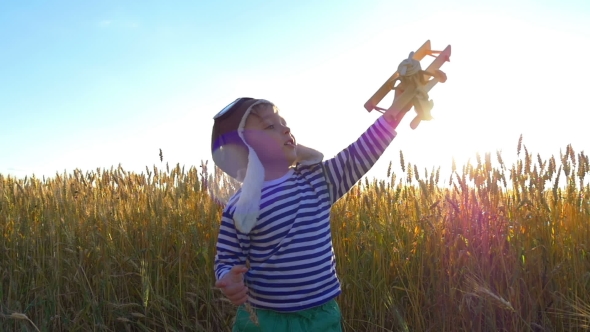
point(307, 156)
point(232, 159)
point(229, 151)
point(241, 174)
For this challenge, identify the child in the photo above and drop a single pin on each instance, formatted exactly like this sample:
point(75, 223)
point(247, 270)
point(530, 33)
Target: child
point(274, 247)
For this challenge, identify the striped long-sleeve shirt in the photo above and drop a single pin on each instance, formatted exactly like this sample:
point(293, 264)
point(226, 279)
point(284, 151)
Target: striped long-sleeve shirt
point(292, 262)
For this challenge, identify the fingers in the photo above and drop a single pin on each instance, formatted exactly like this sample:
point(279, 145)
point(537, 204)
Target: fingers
point(240, 297)
point(236, 274)
point(234, 290)
point(406, 108)
point(241, 300)
point(232, 285)
point(441, 76)
point(220, 283)
point(237, 294)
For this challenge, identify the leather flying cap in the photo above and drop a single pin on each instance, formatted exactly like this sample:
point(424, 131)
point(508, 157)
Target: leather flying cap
point(237, 158)
point(225, 140)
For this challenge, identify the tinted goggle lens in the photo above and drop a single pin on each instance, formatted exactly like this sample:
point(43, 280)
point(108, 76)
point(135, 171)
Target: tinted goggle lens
point(229, 108)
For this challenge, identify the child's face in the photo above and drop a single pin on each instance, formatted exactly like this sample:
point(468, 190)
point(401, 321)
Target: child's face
point(267, 132)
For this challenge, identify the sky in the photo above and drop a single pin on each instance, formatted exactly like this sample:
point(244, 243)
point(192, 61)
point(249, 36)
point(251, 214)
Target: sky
point(95, 84)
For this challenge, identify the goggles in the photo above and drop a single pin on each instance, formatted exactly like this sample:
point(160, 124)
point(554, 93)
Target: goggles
point(227, 110)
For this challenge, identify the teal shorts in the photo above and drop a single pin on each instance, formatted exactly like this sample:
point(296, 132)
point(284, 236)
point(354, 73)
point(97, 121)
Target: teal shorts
point(324, 318)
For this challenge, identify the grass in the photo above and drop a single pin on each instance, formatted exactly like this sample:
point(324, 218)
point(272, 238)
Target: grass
point(492, 248)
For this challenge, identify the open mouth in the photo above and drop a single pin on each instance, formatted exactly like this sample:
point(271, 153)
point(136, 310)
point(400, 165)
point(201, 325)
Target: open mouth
point(290, 142)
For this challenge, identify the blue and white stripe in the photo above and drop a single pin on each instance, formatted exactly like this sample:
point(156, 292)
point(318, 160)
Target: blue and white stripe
point(292, 262)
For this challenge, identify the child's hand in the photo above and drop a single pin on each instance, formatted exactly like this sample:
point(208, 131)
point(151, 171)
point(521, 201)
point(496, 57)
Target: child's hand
point(232, 285)
point(395, 121)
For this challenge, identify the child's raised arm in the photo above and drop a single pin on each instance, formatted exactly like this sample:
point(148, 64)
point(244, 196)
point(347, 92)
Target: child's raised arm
point(348, 166)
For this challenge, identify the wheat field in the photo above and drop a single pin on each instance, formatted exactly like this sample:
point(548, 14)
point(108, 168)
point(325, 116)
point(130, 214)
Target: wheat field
point(494, 247)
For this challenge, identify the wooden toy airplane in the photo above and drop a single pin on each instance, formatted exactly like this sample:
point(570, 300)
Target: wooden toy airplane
point(414, 84)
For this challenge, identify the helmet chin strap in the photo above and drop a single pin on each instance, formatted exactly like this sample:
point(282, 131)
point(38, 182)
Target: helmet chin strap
point(247, 206)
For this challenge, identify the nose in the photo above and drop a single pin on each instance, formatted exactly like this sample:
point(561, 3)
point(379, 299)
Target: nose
point(286, 129)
